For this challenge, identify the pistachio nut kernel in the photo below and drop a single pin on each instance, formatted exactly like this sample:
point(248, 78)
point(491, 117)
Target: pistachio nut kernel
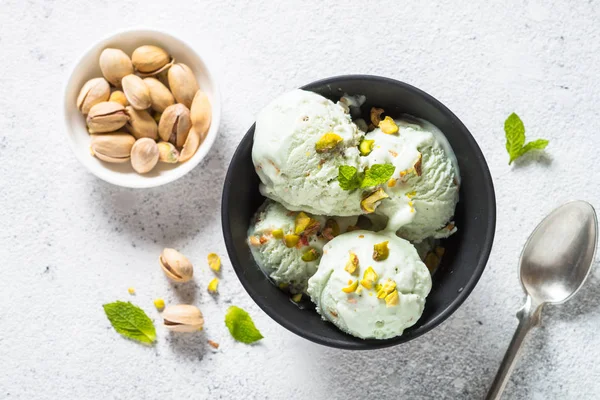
point(327, 142)
point(291, 240)
point(369, 278)
point(351, 287)
point(160, 96)
point(136, 91)
point(352, 264)
point(418, 165)
point(310, 255)
point(157, 116)
point(93, 92)
point(301, 223)
point(149, 59)
point(119, 97)
point(385, 289)
point(214, 261)
point(277, 233)
point(144, 155)
point(115, 65)
point(212, 285)
point(366, 147)
point(370, 203)
point(201, 113)
point(113, 148)
point(392, 299)
point(106, 116)
point(388, 126)
point(191, 145)
point(176, 266)
point(297, 297)
point(183, 84)
point(183, 318)
point(376, 115)
point(159, 303)
point(334, 226)
point(381, 251)
point(141, 124)
point(175, 124)
point(167, 153)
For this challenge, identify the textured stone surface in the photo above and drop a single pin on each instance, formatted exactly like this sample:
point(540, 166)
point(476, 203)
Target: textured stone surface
point(70, 242)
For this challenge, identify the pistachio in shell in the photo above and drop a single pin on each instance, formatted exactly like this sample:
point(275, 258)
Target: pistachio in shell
point(183, 318)
point(201, 113)
point(115, 65)
point(141, 124)
point(136, 92)
point(167, 153)
point(112, 148)
point(176, 266)
point(119, 97)
point(106, 116)
point(93, 92)
point(183, 84)
point(175, 124)
point(150, 59)
point(191, 145)
point(144, 155)
point(160, 96)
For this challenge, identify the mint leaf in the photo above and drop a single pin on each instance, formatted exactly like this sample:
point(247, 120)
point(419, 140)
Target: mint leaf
point(348, 177)
point(241, 326)
point(130, 321)
point(515, 138)
point(377, 175)
point(539, 144)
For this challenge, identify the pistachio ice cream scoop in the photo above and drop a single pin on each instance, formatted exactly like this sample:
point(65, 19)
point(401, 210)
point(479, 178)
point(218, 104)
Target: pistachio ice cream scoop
point(300, 140)
point(370, 285)
point(287, 245)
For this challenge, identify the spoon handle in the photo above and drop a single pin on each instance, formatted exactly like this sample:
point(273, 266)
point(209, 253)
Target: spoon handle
point(529, 317)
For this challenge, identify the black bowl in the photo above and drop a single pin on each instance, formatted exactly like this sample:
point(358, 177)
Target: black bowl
point(467, 251)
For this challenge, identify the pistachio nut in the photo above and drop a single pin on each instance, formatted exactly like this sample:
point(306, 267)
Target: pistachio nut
point(183, 84)
point(167, 153)
point(106, 116)
point(371, 201)
point(369, 279)
point(381, 251)
point(191, 145)
point(141, 124)
point(183, 318)
point(113, 148)
point(376, 115)
point(119, 97)
point(150, 59)
point(93, 92)
point(175, 124)
point(327, 142)
point(144, 155)
point(201, 113)
point(115, 65)
point(160, 96)
point(136, 91)
point(175, 265)
point(352, 264)
point(388, 126)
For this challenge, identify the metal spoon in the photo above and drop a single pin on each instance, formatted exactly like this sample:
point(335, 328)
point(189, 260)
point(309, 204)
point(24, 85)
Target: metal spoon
point(555, 262)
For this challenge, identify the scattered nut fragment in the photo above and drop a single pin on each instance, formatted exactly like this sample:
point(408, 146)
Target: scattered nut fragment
point(183, 84)
point(113, 148)
point(214, 262)
point(366, 147)
point(201, 113)
point(291, 240)
point(301, 223)
point(141, 124)
point(381, 251)
point(167, 153)
point(106, 116)
point(131, 290)
point(176, 266)
point(144, 155)
point(385, 289)
point(191, 145)
point(254, 241)
point(370, 202)
point(93, 92)
point(212, 344)
point(150, 59)
point(136, 92)
point(297, 297)
point(159, 303)
point(277, 233)
point(369, 278)
point(160, 96)
point(333, 225)
point(115, 65)
point(388, 126)
point(212, 285)
point(376, 115)
point(392, 299)
point(392, 182)
point(327, 142)
point(183, 318)
point(352, 264)
point(310, 255)
point(351, 287)
point(418, 164)
point(433, 258)
point(119, 97)
point(175, 124)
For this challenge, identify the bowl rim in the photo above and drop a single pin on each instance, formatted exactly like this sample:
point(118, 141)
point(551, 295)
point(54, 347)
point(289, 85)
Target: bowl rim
point(184, 168)
point(370, 344)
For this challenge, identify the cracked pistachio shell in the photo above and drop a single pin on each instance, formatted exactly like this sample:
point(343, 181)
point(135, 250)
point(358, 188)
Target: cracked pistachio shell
point(201, 113)
point(112, 147)
point(191, 145)
point(183, 84)
point(160, 96)
point(167, 153)
point(106, 116)
point(149, 59)
point(144, 155)
point(141, 124)
point(115, 65)
point(175, 265)
point(119, 97)
point(136, 91)
point(93, 92)
point(175, 124)
point(183, 318)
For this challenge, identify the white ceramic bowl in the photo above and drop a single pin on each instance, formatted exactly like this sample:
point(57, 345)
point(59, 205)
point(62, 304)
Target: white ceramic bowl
point(87, 67)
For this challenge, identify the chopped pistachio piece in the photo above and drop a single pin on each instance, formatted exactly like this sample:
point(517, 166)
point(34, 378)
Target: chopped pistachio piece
point(335, 227)
point(366, 147)
point(376, 116)
point(277, 233)
point(131, 290)
point(297, 297)
point(392, 182)
point(369, 278)
point(327, 142)
point(386, 289)
point(381, 251)
point(159, 304)
point(369, 203)
point(388, 126)
point(212, 285)
point(351, 287)
point(417, 166)
point(412, 194)
point(291, 240)
point(214, 261)
point(301, 223)
point(254, 241)
point(352, 264)
point(392, 299)
point(310, 255)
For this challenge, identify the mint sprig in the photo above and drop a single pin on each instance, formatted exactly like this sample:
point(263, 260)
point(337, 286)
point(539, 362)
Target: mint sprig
point(130, 321)
point(515, 138)
point(241, 326)
point(349, 178)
